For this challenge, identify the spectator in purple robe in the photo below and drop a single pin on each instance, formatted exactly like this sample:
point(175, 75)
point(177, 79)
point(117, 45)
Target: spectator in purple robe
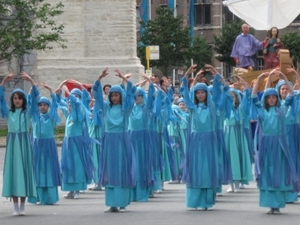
point(245, 46)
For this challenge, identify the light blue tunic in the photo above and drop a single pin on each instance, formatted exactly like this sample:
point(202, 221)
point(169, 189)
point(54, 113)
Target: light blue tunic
point(46, 164)
point(275, 165)
point(117, 161)
point(18, 175)
point(202, 167)
point(76, 162)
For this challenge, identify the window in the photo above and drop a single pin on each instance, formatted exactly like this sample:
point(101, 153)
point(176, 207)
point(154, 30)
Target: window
point(228, 15)
point(202, 14)
point(138, 2)
point(163, 2)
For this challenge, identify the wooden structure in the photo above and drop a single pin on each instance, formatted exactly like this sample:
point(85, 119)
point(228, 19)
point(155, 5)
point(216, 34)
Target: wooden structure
point(284, 63)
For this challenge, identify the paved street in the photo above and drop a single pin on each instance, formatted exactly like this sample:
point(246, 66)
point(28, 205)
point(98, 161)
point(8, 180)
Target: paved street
point(166, 208)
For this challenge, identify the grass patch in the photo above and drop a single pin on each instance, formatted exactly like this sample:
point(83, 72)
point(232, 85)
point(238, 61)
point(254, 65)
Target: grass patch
point(59, 132)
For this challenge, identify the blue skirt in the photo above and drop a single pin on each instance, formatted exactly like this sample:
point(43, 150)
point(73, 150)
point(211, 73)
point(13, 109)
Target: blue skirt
point(117, 166)
point(18, 173)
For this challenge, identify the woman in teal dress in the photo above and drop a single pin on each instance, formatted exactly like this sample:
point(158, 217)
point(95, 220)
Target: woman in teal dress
point(96, 133)
point(76, 162)
point(18, 174)
point(275, 167)
point(177, 130)
point(202, 169)
point(237, 145)
point(46, 164)
point(142, 144)
point(293, 140)
point(117, 160)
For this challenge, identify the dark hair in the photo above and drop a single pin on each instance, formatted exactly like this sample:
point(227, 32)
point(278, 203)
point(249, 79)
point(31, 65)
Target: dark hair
point(196, 101)
point(106, 85)
point(20, 96)
point(109, 97)
point(270, 32)
point(237, 103)
point(267, 106)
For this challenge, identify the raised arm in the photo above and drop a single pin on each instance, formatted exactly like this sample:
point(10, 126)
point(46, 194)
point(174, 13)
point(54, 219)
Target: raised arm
point(260, 78)
point(98, 95)
point(3, 105)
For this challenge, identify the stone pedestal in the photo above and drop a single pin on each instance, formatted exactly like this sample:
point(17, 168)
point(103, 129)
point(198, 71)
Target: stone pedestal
point(100, 33)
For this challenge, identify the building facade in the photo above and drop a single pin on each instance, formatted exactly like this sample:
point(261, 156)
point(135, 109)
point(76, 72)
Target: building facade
point(209, 15)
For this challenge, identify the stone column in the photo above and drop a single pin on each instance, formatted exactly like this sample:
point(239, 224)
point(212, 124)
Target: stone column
point(100, 33)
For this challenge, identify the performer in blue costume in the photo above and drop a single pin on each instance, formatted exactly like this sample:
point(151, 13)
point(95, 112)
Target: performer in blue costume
point(296, 151)
point(95, 132)
point(283, 89)
point(202, 170)
point(275, 167)
point(237, 145)
point(224, 105)
point(117, 160)
point(177, 131)
point(141, 142)
point(18, 175)
point(154, 120)
point(46, 164)
point(245, 46)
point(76, 162)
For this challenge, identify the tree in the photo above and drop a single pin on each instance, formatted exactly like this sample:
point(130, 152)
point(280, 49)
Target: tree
point(291, 42)
point(173, 40)
point(224, 42)
point(201, 52)
point(28, 25)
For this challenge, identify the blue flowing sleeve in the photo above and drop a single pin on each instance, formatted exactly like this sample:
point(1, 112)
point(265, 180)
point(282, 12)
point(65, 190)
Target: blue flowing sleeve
point(168, 106)
point(33, 107)
point(222, 96)
point(255, 109)
point(150, 97)
point(158, 103)
point(186, 95)
point(129, 98)
point(289, 100)
point(246, 101)
point(4, 109)
point(99, 103)
point(53, 110)
point(86, 98)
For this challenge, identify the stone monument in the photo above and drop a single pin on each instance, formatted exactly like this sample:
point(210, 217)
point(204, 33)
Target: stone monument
point(100, 33)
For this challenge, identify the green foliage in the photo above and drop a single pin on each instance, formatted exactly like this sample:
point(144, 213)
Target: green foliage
point(28, 25)
point(173, 40)
point(224, 42)
point(291, 42)
point(201, 52)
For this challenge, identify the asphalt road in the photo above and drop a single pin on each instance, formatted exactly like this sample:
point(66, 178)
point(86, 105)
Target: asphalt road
point(166, 208)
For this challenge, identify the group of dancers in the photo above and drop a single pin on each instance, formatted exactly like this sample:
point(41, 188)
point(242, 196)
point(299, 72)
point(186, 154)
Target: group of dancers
point(129, 141)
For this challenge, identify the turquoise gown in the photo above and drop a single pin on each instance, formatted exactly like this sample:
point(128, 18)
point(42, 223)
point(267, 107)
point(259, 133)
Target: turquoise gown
point(142, 145)
point(154, 120)
point(117, 160)
point(96, 133)
point(202, 169)
point(164, 115)
point(18, 173)
point(46, 164)
point(294, 147)
point(237, 145)
point(274, 165)
point(76, 162)
point(177, 130)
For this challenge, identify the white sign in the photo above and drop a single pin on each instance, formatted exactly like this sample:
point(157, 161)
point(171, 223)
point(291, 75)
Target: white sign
point(149, 73)
point(154, 52)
